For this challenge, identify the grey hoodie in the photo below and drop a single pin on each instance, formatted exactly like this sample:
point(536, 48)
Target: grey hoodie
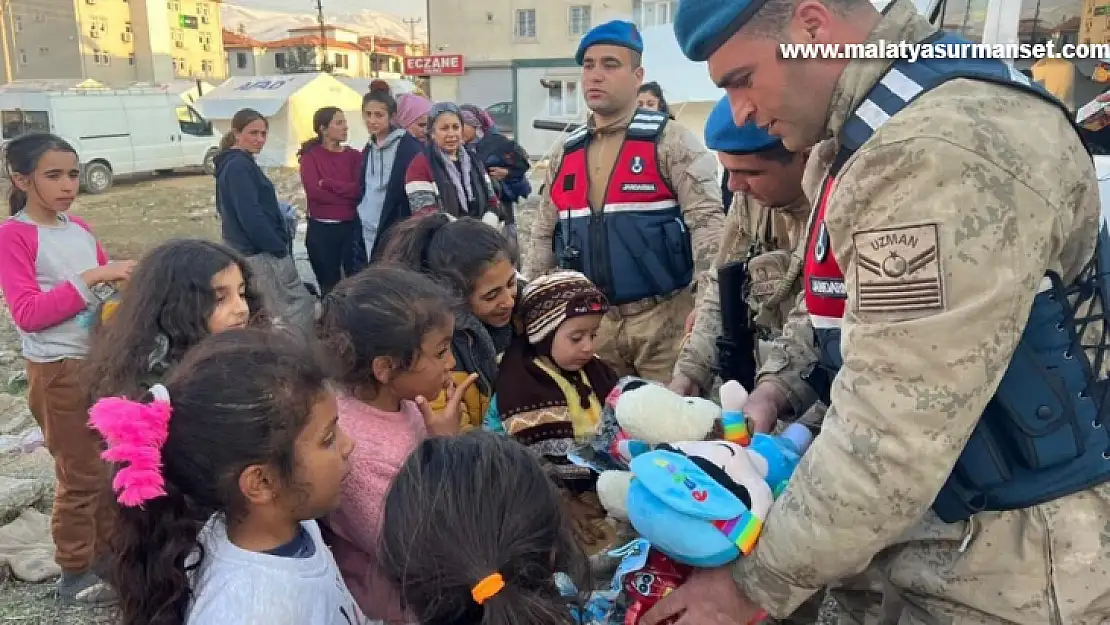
point(379, 166)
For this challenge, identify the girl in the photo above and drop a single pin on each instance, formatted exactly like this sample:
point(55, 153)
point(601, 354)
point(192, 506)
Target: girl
point(384, 163)
point(331, 175)
point(53, 275)
point(651, 97)
point(468, 547)
point(412, 115)
point(474, 261)
point(182, 291)
point(551, 388)
point(446, 177)
point(253, 222)
point(389, 332)
point(221, 487)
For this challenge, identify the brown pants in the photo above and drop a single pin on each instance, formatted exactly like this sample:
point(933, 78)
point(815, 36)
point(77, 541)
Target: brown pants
point(82, 510)
point(647, 344)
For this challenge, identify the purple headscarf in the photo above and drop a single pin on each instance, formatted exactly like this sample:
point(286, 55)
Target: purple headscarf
point(411, 107)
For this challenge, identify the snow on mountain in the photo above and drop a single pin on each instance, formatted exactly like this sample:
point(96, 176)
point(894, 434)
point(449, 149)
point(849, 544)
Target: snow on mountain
point(270, 25)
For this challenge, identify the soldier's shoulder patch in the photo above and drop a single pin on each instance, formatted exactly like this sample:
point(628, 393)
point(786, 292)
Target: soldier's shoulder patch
point(898, 270)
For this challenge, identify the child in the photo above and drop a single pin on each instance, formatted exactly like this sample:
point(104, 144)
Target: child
point(227, 466)
point(54, 275)
point(389, 332)
point(474, 534)
point(551, 385)
point(181, 292)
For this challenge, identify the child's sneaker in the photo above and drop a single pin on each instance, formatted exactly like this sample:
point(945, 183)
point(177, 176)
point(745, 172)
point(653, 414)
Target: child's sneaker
point(85, 588)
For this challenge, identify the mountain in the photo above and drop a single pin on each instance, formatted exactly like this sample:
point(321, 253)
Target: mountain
point(270, 25)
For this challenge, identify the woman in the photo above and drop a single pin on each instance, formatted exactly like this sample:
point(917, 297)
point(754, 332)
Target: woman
point(331, 175)
point(384, 162)
point(254, 224)
point(473, 260)
point(650, 97)
point(412, 115)
point(504, 159)
point(446, 177)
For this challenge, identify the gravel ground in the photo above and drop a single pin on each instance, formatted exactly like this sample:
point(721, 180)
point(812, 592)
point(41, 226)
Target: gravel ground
point(129, 219)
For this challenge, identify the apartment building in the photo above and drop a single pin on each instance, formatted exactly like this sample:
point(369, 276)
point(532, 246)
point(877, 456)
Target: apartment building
point(347, 53)
point(518, 55)
point(115, 42)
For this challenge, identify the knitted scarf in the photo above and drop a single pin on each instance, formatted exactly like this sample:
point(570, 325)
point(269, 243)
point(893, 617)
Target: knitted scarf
point(463, 185)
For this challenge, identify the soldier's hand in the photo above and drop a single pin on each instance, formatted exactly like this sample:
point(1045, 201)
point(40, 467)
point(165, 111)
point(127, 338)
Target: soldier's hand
point(764, 407)
point(709, 597)
point(684, 386)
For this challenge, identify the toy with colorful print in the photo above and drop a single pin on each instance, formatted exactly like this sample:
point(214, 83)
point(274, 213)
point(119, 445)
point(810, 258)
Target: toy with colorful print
point(733, 421)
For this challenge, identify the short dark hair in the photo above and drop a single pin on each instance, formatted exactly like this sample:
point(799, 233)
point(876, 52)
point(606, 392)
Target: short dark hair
point(776, 153)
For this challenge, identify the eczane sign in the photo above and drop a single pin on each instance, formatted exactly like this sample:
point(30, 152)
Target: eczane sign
point(434, 65)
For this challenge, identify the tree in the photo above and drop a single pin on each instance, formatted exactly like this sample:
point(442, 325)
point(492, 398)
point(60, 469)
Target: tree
point(300, 60)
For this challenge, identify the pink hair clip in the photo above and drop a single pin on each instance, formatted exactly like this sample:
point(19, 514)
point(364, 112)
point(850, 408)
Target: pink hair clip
point(135, 433)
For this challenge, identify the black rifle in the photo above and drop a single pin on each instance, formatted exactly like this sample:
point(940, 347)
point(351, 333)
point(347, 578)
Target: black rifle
point(736, 345)
point(554, 126)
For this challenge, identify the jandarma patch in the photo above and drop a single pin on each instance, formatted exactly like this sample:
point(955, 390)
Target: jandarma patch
point(898, 270)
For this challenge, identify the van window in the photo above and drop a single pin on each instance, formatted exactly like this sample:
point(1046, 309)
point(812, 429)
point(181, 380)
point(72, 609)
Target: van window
point(191, 122)
point(17, 122)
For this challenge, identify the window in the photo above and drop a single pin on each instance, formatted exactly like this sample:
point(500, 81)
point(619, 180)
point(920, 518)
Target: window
point(131, 59)
point(16, 123)
point(241, 60)
point(173, 5)
point(177, 35)
point(342, 61)
point(22, 56)
point(206, 66)
point(44, 51)
point(654, 12)
point(525, 24)
point(562, 97)
point(279, 60)
point(18, 23)
point(127, 27)
point(101, 58)
point(579, 20)
point(179, 65)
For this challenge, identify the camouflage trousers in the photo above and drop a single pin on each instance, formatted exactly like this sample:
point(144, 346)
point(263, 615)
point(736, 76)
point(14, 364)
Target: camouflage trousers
point(645, 344)
point(1049, 564)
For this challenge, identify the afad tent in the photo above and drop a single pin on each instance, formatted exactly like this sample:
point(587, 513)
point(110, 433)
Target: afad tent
point(397, 86)
point(288, 101)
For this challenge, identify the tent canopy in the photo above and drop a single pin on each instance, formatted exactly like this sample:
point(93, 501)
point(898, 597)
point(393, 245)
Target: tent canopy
point(361, 85)
point(288, 102)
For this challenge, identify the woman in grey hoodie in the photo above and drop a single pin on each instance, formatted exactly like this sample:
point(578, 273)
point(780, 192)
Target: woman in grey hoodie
point(384, 162)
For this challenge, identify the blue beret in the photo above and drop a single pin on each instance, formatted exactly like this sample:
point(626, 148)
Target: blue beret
point(614, 33)
point(723, 135)
point(702, 26)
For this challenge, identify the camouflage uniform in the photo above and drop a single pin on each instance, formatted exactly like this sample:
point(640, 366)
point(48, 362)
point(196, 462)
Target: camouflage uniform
point(1000, 183)
point(766, 236)
point(643, 338)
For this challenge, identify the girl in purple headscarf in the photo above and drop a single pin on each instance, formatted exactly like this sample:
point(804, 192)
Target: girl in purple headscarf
point(412, 114)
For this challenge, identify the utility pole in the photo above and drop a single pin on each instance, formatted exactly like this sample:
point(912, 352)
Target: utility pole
point(325, 66)
point(411, 22)
point(7, 50)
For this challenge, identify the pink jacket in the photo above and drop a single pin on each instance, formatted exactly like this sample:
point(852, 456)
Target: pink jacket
point(383, 440)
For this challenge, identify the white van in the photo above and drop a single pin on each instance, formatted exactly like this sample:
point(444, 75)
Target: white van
point(115, 132)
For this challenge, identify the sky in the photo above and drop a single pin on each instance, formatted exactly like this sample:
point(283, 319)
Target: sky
point(411, 8)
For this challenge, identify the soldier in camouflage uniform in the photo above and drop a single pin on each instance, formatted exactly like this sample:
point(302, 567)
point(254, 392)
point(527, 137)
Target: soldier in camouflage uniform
point(950, 270)
point(632, 201)
point(763, 227)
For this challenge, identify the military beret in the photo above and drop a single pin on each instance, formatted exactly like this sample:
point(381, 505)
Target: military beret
point(723, 135)
point(702, 26)
point(614, 33)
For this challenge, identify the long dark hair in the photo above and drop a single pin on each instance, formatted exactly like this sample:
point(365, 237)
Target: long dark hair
point(380, 93)
point(321, 119)
point(456, 252)
point(239, 398)
point(451, 520)
point(169, 295)
point(22, 156)
point(382, 311)
point(242, 119)
point(654, 89)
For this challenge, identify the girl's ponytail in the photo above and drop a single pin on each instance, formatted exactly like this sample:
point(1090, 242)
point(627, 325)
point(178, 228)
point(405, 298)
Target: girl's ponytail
point(17, 199)
point(308, 145)
point(227, 141)
point(152, 548)
point(409, 242)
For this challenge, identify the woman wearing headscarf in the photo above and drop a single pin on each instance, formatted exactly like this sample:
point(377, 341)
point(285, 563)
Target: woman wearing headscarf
point(446, 177)
point(504, 159)
point(412, 114)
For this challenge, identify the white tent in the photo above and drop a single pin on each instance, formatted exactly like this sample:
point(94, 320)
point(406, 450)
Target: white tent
point(396, 85)
point(288, 101)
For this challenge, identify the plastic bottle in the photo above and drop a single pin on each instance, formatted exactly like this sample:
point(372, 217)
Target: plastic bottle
point(783, 452)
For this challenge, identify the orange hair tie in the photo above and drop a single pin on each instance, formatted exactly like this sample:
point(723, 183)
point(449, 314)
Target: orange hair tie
point(487, 588)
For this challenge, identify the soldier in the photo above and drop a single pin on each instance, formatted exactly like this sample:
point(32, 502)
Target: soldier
point(763, 227)
point(953, 288)
point(631, 200)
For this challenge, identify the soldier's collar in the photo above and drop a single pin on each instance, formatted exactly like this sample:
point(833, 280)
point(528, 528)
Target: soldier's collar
point(617, 125)
point(900, 22)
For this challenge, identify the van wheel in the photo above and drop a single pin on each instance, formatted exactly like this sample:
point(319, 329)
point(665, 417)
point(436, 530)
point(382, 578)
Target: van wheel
point(210, 162)
point(98, 177)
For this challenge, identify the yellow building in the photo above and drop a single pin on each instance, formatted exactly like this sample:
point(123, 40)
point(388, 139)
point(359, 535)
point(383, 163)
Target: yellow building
point(116, 42)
